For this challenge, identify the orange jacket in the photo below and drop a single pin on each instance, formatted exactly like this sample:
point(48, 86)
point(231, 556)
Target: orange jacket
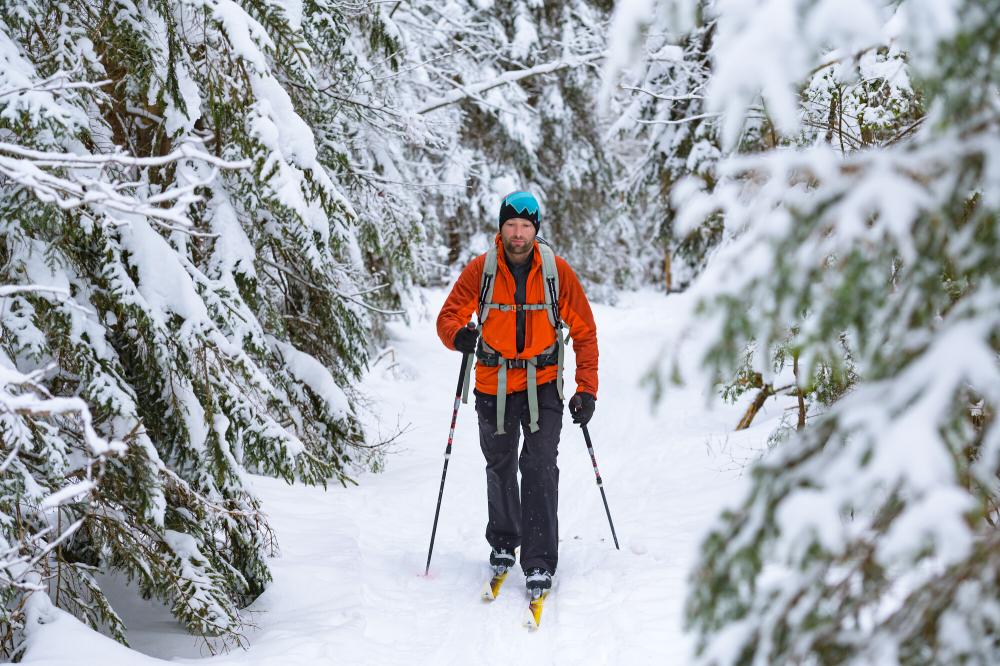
point(499, 329)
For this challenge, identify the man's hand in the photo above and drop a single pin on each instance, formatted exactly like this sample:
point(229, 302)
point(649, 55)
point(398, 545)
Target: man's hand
point(582, 406)
point(465, 339)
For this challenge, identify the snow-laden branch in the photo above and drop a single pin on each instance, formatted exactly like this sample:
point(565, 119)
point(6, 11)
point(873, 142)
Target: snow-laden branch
point(22, 400)
point(21, 394)
point(29, 168)
point(52, 87)
point(12, 289)
point(464, 92)
point(679, 121)
point(59, 81)
point(184, 151)
point(665, 98)
point(18, 570)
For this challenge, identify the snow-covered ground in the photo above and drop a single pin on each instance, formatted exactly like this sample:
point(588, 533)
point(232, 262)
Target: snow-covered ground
point(349, 585)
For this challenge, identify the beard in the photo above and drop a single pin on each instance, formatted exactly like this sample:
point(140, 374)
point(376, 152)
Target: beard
point(517, 253)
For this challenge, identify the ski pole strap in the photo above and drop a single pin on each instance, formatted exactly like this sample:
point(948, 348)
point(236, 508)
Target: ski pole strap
point(501, 398)
point(532, 396)
point(468, 361)
point(561, 354)
point(467, 377)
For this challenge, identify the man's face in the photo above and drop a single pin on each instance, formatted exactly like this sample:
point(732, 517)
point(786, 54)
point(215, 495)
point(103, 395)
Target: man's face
point(518, 236)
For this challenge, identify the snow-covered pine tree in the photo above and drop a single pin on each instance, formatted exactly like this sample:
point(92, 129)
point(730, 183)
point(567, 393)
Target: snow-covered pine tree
point(861, 103)
point(669, 135)
point(209, 338)
point(52, 456)
point(870, 537)
point(386, 156)
point(516, 87)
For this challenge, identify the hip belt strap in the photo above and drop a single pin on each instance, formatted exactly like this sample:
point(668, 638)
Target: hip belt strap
point(532, 368)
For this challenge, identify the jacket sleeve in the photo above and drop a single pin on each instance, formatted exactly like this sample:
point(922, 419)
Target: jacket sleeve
point(461, 302)
point(575, 311)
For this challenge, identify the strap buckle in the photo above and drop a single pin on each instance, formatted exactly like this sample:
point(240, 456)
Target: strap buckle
point(494, 360)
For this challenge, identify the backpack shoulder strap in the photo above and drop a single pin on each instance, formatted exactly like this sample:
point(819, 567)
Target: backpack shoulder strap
point(487, 281)
point(550, 273)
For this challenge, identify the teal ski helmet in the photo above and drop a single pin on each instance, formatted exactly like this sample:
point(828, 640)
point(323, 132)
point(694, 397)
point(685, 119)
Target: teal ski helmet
point(521, 204)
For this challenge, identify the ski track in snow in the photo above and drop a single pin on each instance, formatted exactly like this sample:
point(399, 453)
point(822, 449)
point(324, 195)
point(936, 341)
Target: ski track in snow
point(349, 584)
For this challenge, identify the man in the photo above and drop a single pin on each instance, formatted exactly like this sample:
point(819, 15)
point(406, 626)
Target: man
point(518, 380)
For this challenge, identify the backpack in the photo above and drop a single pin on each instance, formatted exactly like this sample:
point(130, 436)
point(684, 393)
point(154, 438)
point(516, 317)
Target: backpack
point(551, 356)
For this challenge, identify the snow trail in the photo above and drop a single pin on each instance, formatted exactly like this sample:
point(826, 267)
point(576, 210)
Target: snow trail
point(349, 584)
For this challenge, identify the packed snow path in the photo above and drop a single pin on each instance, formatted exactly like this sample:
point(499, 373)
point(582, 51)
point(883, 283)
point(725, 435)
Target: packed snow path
point(349, 585)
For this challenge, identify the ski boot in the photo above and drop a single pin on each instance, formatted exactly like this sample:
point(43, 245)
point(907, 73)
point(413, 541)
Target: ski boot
point(501, 560)
point(538, 582)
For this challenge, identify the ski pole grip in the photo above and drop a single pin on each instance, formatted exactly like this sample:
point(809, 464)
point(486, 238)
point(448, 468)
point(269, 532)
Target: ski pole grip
point(461, 376)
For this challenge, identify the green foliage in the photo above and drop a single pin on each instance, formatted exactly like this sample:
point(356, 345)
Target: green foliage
point(204, 351)
point(871, 536)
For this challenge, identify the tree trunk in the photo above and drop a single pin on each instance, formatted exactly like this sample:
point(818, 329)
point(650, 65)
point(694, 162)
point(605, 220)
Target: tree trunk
point(754, 407)
point(800, 426)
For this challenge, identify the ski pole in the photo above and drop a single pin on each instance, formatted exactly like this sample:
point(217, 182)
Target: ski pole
point(447, 456)
point(600, 484)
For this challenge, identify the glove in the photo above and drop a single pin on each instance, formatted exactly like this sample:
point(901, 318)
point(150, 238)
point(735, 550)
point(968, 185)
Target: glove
point(465, 340)
point(582, 406)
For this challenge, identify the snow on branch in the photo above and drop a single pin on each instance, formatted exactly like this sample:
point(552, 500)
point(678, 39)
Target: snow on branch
point(184, 151)
point(24, 400)
point(59, 81)
point(29, 168)
point(679, 121)
point(464, 92)
point(11, 290)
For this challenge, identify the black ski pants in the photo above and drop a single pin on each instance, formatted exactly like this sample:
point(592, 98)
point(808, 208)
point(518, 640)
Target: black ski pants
point(525, 516)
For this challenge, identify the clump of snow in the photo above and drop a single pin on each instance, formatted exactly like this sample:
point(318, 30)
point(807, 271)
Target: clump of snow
point(525, 36)
point(314, 374)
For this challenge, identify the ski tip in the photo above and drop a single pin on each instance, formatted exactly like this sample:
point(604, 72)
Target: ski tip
point(533, 614)
point(492, 587)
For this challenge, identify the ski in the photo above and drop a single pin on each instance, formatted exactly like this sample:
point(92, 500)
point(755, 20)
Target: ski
point(533, 614)
point(492, 587)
